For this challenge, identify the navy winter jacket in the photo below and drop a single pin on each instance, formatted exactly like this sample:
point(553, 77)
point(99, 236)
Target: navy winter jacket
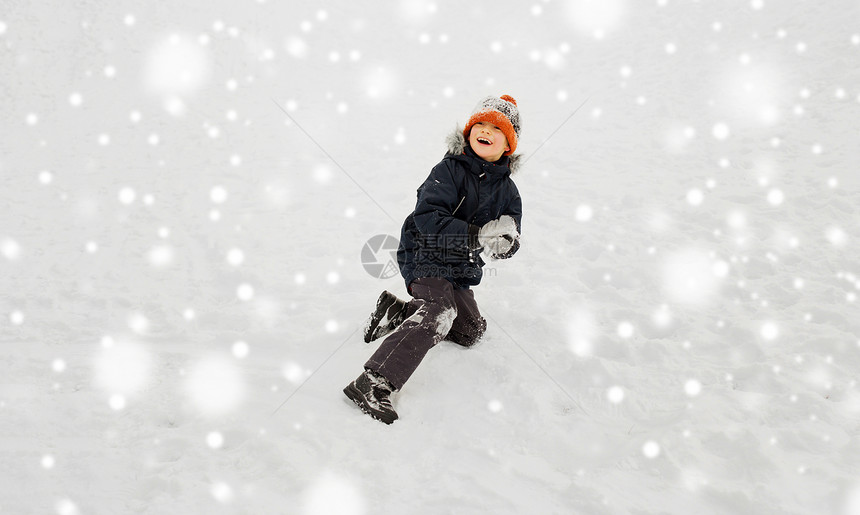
point(462, 193)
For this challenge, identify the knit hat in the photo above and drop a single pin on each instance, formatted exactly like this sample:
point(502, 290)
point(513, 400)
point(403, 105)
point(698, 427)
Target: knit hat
point(501, 112)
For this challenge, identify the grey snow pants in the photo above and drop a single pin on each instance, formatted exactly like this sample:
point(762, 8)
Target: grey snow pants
point(437, 312)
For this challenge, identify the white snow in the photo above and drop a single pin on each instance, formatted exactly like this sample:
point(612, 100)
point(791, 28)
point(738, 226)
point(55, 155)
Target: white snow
point(186, 192)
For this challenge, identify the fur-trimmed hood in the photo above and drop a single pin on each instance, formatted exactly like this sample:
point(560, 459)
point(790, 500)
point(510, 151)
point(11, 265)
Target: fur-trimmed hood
point(456, 144)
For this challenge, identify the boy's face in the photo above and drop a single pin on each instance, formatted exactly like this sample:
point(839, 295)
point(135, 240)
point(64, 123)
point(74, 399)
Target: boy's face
point(488, 141)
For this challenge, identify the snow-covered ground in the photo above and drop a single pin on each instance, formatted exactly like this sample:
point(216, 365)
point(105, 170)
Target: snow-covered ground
point(187, 189)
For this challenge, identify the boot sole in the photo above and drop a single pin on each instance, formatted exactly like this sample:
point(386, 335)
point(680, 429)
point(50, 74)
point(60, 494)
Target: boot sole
point(385, 301)
point(355, 395)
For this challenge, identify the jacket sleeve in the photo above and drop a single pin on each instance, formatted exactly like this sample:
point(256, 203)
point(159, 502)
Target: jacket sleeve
point(438, 200)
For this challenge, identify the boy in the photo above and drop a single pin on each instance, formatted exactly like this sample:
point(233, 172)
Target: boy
point(468, 204)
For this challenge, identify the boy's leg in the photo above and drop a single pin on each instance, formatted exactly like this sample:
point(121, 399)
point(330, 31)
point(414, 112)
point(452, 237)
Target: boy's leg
point(469, 325)
point(402, 351)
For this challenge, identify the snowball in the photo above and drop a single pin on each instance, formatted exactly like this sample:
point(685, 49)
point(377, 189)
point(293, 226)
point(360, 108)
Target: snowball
point(58, 365)
point(75, 99)
point(615, 394)
point(332, 277)
point(189, 314)
point(48, 461)
point(215, 386)
point(32, 119)
point(651, 449)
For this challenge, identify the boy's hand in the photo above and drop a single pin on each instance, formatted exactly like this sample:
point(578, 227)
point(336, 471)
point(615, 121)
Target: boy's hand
point(497, 237)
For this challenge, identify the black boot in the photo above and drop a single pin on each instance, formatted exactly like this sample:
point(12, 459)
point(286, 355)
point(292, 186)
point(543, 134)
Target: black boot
point(390, 312)
point(371, 393)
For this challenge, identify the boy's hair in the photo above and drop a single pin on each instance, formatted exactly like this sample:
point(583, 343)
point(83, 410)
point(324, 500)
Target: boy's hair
point(501, 112)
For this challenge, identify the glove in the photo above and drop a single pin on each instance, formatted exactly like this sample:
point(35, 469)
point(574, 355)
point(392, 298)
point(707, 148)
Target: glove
point(498, 237)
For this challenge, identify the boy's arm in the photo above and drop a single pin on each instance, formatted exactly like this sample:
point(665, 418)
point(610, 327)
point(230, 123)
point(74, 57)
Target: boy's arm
point(515, 211)
point(438, 200)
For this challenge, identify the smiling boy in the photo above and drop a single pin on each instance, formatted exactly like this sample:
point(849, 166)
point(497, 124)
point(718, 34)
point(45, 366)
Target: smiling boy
point(468, 205)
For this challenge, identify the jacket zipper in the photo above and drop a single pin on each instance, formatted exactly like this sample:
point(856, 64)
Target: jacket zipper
point(480, 180)
point(458, 205)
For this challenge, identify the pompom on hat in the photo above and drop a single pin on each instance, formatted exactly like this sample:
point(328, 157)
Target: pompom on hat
point(501, 112)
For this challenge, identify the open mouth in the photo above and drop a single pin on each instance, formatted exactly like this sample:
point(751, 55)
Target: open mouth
point(484, 141)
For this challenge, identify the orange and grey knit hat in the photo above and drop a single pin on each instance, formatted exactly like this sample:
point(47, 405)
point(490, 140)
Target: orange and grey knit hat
point(501, 112)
